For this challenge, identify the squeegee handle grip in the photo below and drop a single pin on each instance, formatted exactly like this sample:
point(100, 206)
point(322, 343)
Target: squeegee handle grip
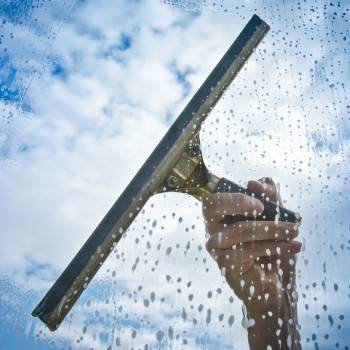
point(272, 211)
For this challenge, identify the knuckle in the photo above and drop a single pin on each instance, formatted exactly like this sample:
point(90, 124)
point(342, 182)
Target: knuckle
point(210, 200)
point(205, 209)
point(209, 228)
point(212, 252)
point(208, 247)
point(218, 257)
point(210, 197)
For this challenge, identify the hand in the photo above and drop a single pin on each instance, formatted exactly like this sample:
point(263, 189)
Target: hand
point(258, 261)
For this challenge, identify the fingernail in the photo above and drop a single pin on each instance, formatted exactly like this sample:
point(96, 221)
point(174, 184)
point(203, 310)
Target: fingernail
point(258, 205)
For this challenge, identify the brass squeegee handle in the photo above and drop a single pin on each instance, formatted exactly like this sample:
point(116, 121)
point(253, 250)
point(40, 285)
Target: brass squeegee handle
point(272, 211)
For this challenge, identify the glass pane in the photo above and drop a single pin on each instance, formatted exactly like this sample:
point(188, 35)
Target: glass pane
point(89, 88)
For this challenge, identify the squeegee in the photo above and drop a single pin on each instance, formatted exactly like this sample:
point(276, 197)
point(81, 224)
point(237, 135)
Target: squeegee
point(175, 165)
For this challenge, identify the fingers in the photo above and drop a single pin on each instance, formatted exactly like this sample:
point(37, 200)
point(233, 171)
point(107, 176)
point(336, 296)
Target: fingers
point(217, 205)
point(251, 231)
point(245, 254)
point(266, 186)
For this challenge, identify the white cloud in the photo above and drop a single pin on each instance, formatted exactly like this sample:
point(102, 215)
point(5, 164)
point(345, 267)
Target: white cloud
point(90, 132)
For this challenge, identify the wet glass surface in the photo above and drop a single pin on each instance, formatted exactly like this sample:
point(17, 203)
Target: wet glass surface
point(87, 90)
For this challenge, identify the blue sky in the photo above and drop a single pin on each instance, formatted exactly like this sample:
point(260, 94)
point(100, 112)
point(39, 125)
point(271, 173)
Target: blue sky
point(88, 88)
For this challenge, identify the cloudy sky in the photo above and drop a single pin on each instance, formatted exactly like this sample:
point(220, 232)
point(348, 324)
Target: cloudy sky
point(87, 90)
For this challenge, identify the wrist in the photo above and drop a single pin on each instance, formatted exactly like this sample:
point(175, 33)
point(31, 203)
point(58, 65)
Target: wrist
point(275, 325)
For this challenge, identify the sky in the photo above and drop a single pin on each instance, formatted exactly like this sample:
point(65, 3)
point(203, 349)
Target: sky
point(87, 90)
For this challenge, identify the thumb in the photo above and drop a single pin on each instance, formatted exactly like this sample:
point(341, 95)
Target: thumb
point(265, 186)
